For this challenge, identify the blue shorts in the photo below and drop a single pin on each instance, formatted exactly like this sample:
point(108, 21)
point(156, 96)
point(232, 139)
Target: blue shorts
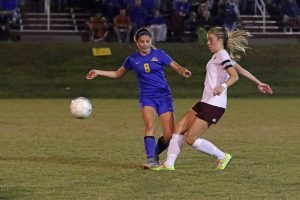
point(161, 105)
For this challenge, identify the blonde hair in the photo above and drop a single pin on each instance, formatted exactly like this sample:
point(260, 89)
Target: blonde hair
point(234, 40)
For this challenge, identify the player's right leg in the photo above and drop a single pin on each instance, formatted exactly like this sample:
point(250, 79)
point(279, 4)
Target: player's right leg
point(148, 114)
point(185, 122)
point(180, 128)
point(177, 140)
point(167, 123)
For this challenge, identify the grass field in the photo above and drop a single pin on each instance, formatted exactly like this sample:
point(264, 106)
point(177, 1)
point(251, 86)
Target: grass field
point(47, 154)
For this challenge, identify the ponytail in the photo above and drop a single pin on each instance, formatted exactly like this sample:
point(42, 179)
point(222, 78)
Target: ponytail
point(237, 42)
point(234, 40)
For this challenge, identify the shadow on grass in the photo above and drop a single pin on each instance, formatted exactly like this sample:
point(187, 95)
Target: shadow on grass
point(91, 162)
point(13, 193)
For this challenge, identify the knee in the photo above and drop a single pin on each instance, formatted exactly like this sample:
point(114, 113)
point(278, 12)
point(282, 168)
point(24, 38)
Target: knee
point(189, 140)
point(149, 127)
point(168, 130)
point(180, 127)
point(167, 135)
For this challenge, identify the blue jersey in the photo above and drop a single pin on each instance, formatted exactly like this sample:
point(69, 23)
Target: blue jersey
point(149, 70)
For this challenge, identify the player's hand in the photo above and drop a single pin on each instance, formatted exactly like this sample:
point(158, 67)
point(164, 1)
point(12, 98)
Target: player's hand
point(92, 74)
point(218, 90)
point(187, 74)
point(264, 88)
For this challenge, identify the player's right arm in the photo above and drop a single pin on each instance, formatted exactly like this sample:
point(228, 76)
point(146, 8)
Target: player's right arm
point(111, 74)
point(262, 87)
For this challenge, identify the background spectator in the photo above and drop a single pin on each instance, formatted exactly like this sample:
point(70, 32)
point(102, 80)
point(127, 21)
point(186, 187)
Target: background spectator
point(122, 25)
point(9, 5)
point(166, 7)
point(210, 4)
point(201, 8)
point(97, 6)
point(272, 7)
point(158, 27)
point(229, 15)
point(290, 12)
point(190, 27)
point(127, 3)
point(206, 21)
point(213, 7)
point(98, 28)
point(4, 27)
point(182, 8)
point(247, 7)
point(176, 27)
point(111, 9)
point(217, 12)
point(138, 15)
point(149, 5)
point(235, 5)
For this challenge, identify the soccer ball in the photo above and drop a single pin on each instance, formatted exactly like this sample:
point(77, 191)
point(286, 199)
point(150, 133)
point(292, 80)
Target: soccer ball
point(81, 107)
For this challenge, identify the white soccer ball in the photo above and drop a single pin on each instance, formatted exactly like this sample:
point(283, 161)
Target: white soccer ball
point(81, 107)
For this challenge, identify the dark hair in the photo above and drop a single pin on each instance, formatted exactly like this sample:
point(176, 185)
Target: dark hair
point(142, 31)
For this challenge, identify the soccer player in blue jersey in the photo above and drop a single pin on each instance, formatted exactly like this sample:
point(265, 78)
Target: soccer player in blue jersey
point(154, 92)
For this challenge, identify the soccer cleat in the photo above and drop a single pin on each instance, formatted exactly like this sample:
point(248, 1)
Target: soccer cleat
point(163, 167)
point(151, 164)
point(221, 164)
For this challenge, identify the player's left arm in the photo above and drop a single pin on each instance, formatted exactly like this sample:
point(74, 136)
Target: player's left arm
point(233, 77)
point(262, 87)
point(180, 70)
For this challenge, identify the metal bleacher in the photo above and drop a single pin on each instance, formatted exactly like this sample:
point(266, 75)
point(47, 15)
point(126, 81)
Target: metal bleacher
point(254, 24)
point(261, 25)
point(271, 28)
point(69, 23)
point(72, 22)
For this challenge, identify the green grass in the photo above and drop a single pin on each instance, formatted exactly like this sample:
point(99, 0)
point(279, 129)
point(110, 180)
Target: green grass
point(46, 70)
point(47, 154)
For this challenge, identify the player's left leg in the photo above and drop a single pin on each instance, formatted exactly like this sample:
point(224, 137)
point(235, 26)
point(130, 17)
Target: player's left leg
point(167, 123)
point(166, 116)
point(198, 128)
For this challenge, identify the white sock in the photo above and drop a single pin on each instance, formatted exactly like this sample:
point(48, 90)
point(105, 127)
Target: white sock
point(174, 149)
point(208, 148)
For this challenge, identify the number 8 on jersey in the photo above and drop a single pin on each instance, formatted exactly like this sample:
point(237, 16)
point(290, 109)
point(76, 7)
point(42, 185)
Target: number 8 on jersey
point(147, 67)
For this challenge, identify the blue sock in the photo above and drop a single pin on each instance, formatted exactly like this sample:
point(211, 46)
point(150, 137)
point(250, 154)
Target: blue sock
point(149, 142)
point(161, 145)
